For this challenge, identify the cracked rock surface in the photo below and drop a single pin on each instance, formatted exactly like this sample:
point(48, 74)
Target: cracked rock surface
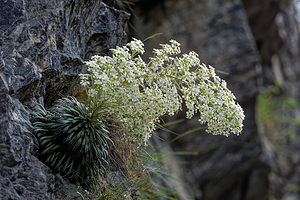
point(43, 46)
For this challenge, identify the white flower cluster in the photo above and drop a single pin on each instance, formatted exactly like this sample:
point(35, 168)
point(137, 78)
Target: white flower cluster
point(138, 93)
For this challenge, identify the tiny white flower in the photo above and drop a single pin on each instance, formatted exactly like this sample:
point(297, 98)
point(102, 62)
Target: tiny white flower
point(92, 92)
point(140, 93)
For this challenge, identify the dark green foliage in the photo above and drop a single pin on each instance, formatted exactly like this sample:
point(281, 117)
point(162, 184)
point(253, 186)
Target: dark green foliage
point(72, 141)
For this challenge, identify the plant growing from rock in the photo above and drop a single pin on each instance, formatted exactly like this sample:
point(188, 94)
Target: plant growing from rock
point(123, 91)
point(73, 140)
point(136, 94)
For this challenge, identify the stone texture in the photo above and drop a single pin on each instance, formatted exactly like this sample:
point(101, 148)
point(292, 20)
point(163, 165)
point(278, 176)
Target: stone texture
point(23, 176)
point(256, 43)
point(279, 51)
point(223, 168)
point(43, 45)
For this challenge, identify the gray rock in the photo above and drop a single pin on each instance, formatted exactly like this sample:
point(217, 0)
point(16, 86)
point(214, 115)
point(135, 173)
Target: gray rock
point(43, 46)
point(257, 43)
point(23, 176)
point(223, 168)
point(279, 50)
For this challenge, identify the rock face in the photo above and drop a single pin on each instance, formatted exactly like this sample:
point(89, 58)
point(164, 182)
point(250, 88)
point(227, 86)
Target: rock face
point(238, 38)
point(279, 51)
point(43, 45)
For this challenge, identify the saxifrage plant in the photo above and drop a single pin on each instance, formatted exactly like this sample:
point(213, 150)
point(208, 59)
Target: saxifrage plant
point(73, 140)
point(127, 92)
point(137, 93)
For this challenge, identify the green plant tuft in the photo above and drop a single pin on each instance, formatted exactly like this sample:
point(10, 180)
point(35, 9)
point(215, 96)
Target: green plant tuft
point(72, 141)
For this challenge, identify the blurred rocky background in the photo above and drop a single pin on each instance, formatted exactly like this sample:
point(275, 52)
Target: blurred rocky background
point(254, 44)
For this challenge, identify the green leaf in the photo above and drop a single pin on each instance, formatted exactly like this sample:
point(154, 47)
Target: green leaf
point(152, 36)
